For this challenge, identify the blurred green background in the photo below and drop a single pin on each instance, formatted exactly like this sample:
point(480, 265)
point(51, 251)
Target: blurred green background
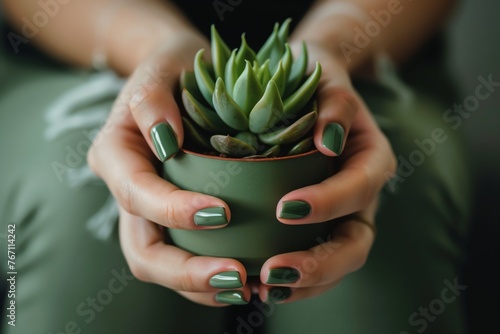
point(475, 50)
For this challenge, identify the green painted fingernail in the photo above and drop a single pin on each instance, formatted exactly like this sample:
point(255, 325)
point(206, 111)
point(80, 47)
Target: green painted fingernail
point(283, 276)
point(233, 297)
point(295, 209)
point(212, 216)
point(226, 280)
point(279, 294)
point(333, 137)
point(164, 140)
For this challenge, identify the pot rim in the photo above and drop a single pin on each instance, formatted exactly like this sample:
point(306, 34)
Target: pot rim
point(214, 157)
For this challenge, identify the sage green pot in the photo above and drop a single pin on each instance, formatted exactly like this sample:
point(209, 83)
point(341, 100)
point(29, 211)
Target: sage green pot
point(252, 189)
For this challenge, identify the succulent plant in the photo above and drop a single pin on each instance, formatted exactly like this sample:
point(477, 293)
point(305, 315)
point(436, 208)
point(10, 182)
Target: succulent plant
point(251, 104)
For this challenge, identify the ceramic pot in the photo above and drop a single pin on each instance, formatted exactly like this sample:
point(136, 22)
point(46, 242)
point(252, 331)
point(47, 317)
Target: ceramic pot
point(252, 189)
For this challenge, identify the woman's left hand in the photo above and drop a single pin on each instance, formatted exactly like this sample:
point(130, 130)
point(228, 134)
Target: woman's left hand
point(345, 129)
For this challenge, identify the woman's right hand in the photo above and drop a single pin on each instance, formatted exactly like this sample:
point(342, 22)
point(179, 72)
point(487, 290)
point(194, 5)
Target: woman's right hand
point(144, 126)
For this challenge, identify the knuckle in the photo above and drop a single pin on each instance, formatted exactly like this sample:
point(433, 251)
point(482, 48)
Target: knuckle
point(360, 257)
point(124, 196)
point(139, 272)
point(316, 278)
point(370, 185)
point(171, 216)
point(172, 213)
point(186, 283)
point(143, 97)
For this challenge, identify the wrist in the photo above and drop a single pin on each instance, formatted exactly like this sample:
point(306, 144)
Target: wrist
point(134, 30)
point(332, 26)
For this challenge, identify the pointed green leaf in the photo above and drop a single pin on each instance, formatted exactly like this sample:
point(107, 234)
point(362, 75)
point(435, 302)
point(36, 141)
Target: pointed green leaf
point(203, 78)
point(245, 53)
point(287, 60)
point(204, 117)
point(194, 135)
point(247, 89)
point(249, 138)
point(272, 152)
point(264, 74)
point(284, 30)
point(188, 81)
point(297, 71)
point(268, 111)
point(273, 49)
point(227, 109)
point(220, 53)
point(256, 68)
point(301, 96)
point(265, 51)
point(279, 77)
point(303, 146)
point(231, 146)
point(231, 74)
point(294, 132)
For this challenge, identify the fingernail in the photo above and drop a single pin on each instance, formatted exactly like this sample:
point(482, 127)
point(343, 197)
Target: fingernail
point(279, 294)
point(294, 209)
point(333, 137)
point(212, 216)
point(283, 276)
point(233, 297)
point(164, 140)
point(226, 280)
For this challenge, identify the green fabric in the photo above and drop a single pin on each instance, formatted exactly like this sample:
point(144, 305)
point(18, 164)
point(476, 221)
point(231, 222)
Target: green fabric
point(418, 251)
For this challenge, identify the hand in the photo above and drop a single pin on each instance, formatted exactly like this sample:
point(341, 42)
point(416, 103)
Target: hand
point(364, 163)
point(122, 156)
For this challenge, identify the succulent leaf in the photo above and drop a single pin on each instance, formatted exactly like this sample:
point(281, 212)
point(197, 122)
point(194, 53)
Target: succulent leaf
point(204, 117)
point(303, 146)
point(292, 133)
point(297, 71)
point(249, 138)
point(287, 60)
point(247, 89)
point(188, 81)
point(273, 151)
point(256, 68)
point(253, 104)
point(265, 51)
point(227, 109)
point(303, 94)
point(245, 53)
point(203, 77)
point(194, 135)
point(279, 77)
point(268, 111)
point(231, 74)
point(272, 49)
point(231, 146)
point(284, 30)
point(220, 53)
point(264, 74)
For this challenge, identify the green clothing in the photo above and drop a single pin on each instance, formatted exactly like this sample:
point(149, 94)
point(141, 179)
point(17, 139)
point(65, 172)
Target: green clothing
point(71, 274)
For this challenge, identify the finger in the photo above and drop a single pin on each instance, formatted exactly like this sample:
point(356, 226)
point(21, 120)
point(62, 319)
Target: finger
point(323, 264)
point(284, 294)
point(151, 260)
point(123, 159)
point(150, 91)
point(337, 110)
point(364, 168)
point(221, 298)
point(337, 102)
